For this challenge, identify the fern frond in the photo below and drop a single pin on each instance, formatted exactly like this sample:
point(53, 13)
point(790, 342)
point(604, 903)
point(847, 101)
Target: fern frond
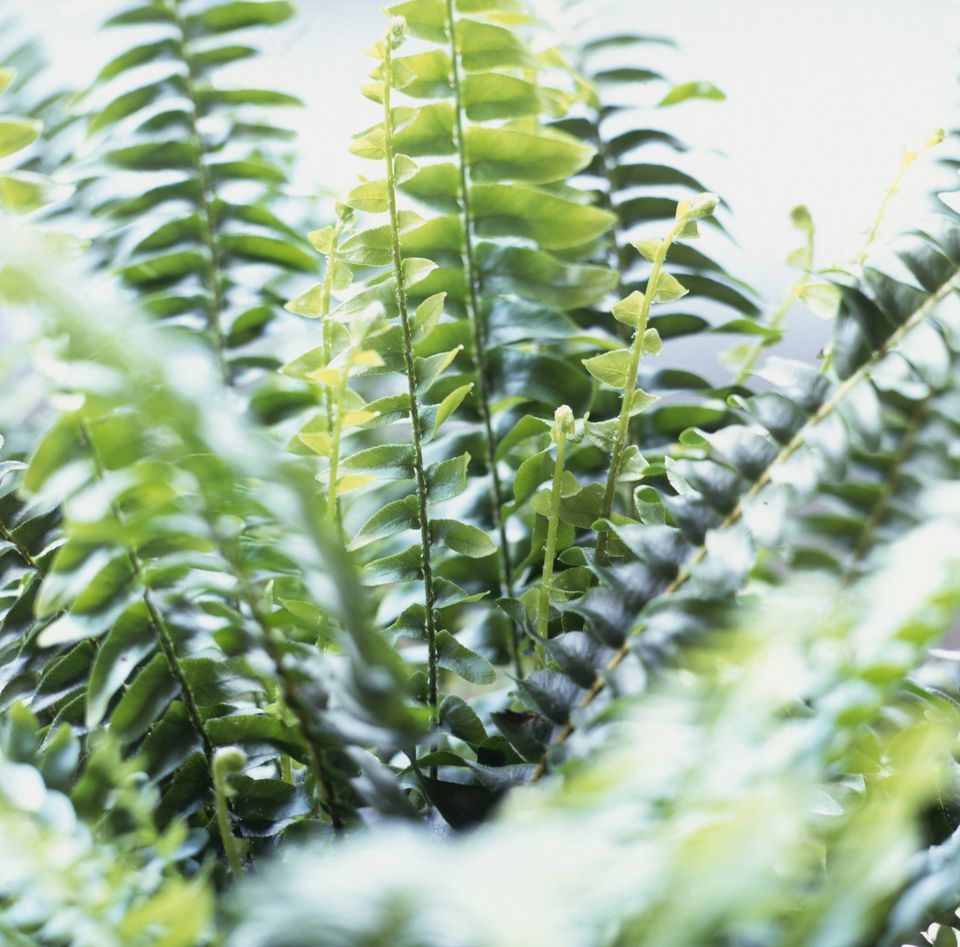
point(199, 162)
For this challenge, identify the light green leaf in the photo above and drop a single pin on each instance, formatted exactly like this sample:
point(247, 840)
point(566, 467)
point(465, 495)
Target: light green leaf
point(370, 197)
point(240, 15)
point(383, 462)
point(425, 18)
point(309, 304)
point(17, 133)
point(691, 90)
point(651, 343)
point(629, 310)
point(633, 465)
point(494, 95)
point(431, 368)
point(447, 478)
point(669, 288)
point(648, 249)
point(509, 154)
point(530, 474)
point(424, 75)
point(554, 222)
point(427, 316)
point(450, 404)
point(393, 518)
point(610, 368)
point(403, 567)
point(488, 46)
point(137, 56)
point(462, 538)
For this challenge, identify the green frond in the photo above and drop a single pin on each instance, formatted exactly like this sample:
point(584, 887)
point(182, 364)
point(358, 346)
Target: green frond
point(214, 255)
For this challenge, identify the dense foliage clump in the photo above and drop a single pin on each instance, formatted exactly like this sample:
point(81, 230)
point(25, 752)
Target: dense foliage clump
point(398, 560)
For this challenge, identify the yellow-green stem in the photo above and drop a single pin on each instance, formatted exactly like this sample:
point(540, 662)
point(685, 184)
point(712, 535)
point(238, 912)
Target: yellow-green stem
point(336, 435)
point(227, 760)
point(550, 548)
point(332, 410)
point(626, 408)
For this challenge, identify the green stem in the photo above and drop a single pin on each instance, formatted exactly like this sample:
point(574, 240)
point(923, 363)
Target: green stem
point(336, 435)
point(22, 550)
point(328, 278)
point(228, 760)
point(214, 276)
point(475, 318)
point(333, 411)
point(157, 624)
point(411, 373)
point(908, 159)
point(626, 408)
point(550, 548)
point(292, 696)
point(882, 212)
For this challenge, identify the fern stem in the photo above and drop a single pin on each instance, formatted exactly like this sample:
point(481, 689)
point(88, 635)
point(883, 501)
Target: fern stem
point(475, 318)
point(328, 277)
point(22, 551)
point(626, 407)
point(302, 710)
point(157, 624)
point(563, 421)
point(824, 411)
point(227, 760)
point(214, 277)
point(292, 696)
point(333, 404)
point(411, 373)
point(336, 436)
point(888, 197)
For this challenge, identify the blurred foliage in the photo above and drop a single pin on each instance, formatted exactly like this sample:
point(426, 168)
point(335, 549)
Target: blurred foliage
point(485, 532)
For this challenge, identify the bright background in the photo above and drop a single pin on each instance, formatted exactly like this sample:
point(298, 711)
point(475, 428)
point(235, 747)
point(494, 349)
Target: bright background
point(822, 97)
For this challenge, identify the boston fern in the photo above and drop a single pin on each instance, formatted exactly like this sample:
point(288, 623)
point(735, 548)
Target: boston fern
point(189, 179)
point(477, 548)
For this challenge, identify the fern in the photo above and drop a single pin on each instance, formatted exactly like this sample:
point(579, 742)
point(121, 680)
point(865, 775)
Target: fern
point(476, 532)
point(202, 166)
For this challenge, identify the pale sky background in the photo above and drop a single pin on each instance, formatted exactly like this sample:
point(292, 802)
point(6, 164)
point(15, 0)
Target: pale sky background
point(822, 97)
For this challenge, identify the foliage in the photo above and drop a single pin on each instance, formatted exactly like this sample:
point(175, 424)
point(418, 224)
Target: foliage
point(486, 530)
point(788, 770)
